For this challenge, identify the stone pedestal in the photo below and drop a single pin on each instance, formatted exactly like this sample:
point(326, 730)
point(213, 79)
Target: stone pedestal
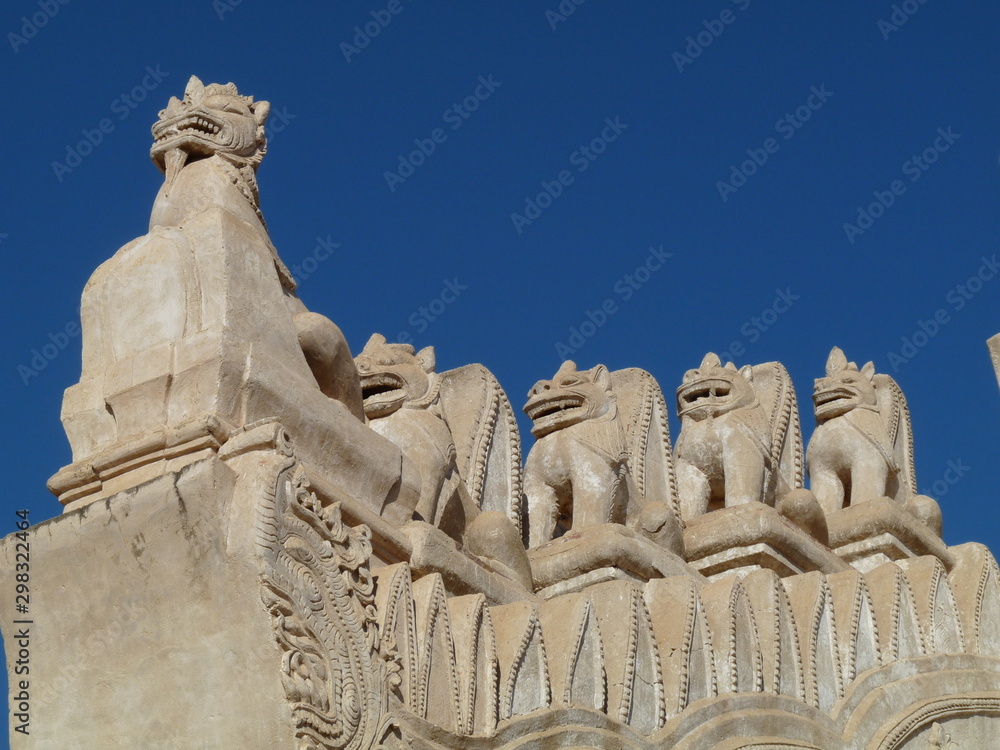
point(879, 531)
point(181, 348)
point(609, 552)
point(751, 537)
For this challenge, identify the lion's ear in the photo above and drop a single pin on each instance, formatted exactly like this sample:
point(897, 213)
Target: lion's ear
point(260, 111)
point(747, 372)
point(427, 359)
point(602, 377)
point(868, 370)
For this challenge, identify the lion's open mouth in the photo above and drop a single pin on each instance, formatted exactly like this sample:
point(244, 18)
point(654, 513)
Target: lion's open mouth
point(382, 387)
point(830, 395)
point(551, 406)
point(186, 138)
point(192, 124)
point(382, 393)
point(704, 391)
point(709, 395)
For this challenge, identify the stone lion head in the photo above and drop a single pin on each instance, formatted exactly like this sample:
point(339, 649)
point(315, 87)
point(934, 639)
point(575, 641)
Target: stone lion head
point(210, 120)
point(844, 388)
point(393, 376)
point(571, 397)
point(711, 389)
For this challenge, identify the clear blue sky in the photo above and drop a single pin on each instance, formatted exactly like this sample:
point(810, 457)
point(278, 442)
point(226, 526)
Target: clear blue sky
point(833, 106)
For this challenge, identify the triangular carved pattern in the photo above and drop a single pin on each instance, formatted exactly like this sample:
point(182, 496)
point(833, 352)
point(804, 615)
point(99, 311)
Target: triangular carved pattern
point(398, 624)
point(437, 670)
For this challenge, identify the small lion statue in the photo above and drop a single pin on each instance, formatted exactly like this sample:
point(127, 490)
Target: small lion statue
point(457, 429)
point(862, 448)
point(602, 453)
point(740, 439)
point(400, 396)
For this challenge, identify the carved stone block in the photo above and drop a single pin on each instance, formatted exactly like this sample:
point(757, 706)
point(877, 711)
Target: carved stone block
point(220, 605)
point(862, 447)
point(880, 531)
point(193, 330)
point(127, 597)
point(753, 537)
point(609, 552)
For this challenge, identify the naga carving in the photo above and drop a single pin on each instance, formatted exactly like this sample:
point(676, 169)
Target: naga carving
point(602, 453)
point(458, 430)
point(318, 589)
point(862, 447)
point(740, 439)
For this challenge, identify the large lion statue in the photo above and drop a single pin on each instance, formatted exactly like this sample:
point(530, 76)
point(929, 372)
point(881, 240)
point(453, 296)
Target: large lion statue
point(602, 452)
point(862, 448)
point(740, 439)
point(209, 146)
